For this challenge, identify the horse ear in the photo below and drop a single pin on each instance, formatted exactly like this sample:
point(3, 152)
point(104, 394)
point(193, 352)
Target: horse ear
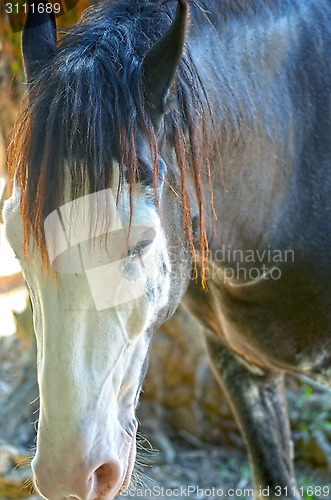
point(38, 38)
point(161, 62)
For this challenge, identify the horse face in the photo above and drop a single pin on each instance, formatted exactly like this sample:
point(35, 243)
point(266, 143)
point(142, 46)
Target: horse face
point(93, 321)
point(112, 284)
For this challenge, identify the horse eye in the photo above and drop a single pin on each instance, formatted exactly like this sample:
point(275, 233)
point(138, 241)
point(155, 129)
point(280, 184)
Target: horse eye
point(139, 249)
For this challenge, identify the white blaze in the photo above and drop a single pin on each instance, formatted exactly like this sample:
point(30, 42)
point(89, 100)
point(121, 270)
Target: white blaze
point(91, 323)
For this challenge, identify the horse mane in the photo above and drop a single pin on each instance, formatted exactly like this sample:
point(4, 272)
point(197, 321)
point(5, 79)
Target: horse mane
point(85, 107)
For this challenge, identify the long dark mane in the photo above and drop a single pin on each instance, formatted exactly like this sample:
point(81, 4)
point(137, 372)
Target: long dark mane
point(84, 110)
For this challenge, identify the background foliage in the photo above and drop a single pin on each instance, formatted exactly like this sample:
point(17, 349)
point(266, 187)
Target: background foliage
point(11, 70)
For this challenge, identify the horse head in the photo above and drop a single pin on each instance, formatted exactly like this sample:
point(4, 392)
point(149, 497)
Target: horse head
point(112, 280)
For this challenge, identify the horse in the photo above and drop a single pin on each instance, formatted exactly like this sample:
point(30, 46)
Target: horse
point(169, 152)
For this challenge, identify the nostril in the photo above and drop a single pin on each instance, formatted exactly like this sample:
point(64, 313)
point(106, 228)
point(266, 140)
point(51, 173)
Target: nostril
point(108, 478)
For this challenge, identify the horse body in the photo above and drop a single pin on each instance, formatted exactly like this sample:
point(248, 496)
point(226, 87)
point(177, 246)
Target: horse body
point(254, 82)
point(274, 170)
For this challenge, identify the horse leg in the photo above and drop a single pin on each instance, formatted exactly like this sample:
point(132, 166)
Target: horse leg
point(258, 400)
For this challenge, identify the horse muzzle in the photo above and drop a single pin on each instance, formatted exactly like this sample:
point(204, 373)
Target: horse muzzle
point(82, 477)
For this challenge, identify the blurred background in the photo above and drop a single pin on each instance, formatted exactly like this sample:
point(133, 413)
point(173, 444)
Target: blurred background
point(183, 413)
